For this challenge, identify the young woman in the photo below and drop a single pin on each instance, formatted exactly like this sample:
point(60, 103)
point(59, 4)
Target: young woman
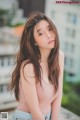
point(37, 79)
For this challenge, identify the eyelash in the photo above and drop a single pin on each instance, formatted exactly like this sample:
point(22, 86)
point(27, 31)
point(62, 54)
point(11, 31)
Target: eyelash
point(40, 34)
point(50, 29)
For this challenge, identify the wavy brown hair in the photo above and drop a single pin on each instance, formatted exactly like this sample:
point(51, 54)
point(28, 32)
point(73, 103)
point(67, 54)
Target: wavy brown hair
point(29, 52)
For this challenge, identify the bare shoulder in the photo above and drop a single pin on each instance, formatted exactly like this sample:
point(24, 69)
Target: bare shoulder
point(28, 72)
point(61, 54)
point(61, 58)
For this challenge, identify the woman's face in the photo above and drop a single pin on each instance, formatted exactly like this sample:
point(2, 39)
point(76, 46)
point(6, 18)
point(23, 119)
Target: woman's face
point(44, 35)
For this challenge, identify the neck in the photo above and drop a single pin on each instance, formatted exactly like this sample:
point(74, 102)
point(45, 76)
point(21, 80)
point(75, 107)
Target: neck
point(44, 54)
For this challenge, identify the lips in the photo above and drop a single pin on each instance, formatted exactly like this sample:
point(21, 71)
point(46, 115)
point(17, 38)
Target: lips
point(51, 41)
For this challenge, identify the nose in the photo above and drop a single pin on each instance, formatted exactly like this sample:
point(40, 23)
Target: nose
point(48, 34)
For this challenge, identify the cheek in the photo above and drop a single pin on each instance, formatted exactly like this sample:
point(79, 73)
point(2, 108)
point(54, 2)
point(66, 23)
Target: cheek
point(35, 37)
point(38, 39)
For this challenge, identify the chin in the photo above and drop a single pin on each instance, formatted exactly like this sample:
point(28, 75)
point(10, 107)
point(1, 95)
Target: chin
point(51, 47)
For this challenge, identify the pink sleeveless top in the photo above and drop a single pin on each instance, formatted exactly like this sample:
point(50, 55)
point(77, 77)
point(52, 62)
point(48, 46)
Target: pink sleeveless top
point(46, 94)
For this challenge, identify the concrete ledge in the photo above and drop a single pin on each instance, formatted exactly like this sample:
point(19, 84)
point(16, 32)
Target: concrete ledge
point(64, 115)
point(67, 115)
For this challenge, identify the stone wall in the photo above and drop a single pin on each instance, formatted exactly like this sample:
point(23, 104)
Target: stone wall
point(67, 115)
point(64, 115)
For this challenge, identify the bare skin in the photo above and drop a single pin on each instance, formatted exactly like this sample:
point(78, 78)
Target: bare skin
point(45, 39)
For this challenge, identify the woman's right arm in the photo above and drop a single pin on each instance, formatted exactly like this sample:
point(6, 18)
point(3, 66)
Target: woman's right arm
point(30, 93)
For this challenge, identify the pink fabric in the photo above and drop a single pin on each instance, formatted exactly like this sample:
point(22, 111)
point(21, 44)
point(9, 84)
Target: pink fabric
point(46, 94)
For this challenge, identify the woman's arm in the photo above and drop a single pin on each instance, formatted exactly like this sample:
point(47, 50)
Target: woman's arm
point(30, 93)
point(56, 104)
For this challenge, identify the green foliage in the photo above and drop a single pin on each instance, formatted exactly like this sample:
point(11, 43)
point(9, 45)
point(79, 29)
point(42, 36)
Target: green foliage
point(65, 100)
point(2, 12)
point(18, 24)
point(71, 96)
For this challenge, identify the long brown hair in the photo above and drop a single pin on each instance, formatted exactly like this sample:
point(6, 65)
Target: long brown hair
point(28, 51)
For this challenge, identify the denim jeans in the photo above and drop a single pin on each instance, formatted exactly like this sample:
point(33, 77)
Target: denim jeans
point(20, 115)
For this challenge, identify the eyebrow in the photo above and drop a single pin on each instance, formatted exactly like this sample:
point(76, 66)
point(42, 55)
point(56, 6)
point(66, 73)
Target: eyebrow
point(41, 29)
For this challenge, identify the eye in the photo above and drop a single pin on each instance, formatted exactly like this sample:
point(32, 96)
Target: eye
point(40, 34)
point(50, 29)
